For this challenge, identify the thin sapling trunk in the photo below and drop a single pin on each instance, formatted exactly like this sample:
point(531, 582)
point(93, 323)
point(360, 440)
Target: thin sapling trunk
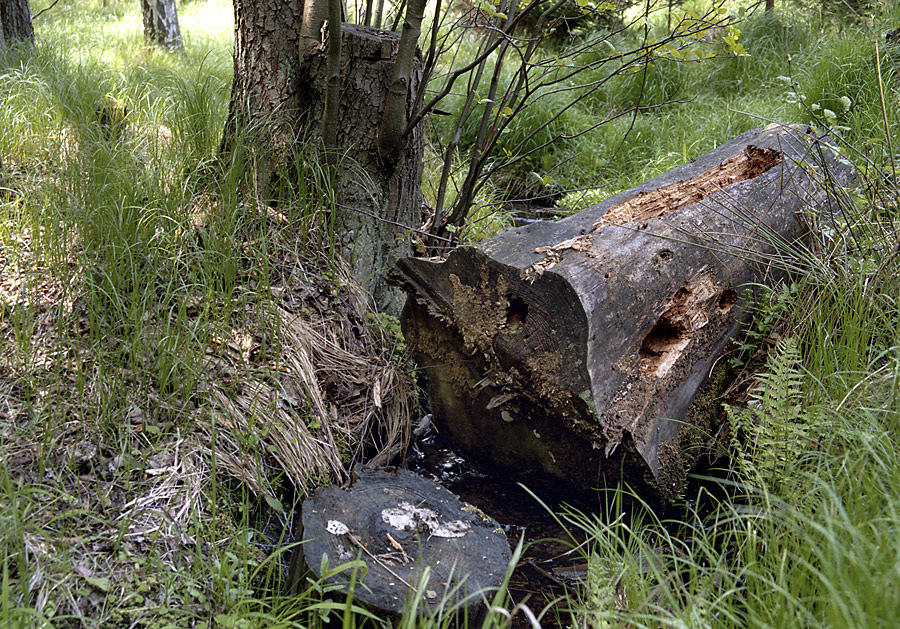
point(393, 124)
point(333, 84)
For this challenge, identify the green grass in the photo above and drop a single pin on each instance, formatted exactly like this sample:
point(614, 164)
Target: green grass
point(134, 264)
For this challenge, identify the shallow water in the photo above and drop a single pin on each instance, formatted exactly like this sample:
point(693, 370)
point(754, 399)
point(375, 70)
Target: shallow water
point(549, 567)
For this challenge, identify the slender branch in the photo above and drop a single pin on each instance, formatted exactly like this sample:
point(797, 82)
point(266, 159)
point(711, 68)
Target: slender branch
point(467, 194)
point(393, 122)
point(414, 230)
point(416, 119)
point(333, 87)
point(451, 148)
point(379, 10)
point(400, 14)
point(44, 10)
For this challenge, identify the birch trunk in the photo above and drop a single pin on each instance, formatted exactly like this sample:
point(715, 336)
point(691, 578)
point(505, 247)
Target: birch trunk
point(161, 24)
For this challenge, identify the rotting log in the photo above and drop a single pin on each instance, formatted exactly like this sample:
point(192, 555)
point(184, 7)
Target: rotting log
point(400, 524)
point(575, 350)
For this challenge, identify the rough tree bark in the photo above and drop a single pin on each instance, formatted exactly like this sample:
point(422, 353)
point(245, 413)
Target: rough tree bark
point(378, 201)
point(265, 89)
point(577, 350)
point(280, 85)
point(15, 16)
point(161, 24)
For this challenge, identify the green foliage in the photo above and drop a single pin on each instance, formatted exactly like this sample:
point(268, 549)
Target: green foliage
point(771, 434)
point(137, 237)
point(769, 308)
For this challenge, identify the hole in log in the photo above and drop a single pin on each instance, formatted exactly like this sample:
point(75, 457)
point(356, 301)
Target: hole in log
point(727, 300)
point(688, 310)
point(749, 163)
point(662, 346)
point(516, 314)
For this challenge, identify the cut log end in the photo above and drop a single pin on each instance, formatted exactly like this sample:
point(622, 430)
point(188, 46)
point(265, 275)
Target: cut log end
point(415, 537)
point(576, 349)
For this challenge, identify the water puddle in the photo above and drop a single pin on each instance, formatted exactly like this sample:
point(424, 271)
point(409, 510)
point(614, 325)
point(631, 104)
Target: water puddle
point(549, 568)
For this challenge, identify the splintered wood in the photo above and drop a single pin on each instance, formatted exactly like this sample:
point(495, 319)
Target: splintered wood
point(582, 350)
point(749, 163)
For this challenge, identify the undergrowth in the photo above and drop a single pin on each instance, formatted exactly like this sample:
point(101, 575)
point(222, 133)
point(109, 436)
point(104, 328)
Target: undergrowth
point(146, 312)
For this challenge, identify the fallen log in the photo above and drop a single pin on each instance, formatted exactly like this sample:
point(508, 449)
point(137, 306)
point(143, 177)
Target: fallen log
point(414, 537)
point(576, 349)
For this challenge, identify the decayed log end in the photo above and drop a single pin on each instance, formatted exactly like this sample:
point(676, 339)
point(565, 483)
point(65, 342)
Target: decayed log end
point(575, 349)
point(399, 524)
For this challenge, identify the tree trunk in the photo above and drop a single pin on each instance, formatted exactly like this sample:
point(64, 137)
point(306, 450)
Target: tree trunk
point(401, 525)
point(577, 350)
point(279, 87)
point(770, 5)
point(161, 24)
point(265, 90)
point(15, 16)
point(378, 202)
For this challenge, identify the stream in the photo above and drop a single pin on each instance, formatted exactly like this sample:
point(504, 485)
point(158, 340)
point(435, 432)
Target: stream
point(549, 569)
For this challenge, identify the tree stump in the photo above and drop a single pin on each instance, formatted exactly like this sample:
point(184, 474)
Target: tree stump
point(280, 95)
point(399, 524)
point(378, 203)
point(575, 350)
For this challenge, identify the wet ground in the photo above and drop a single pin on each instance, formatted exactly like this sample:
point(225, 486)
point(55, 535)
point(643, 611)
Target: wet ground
point(550, 567)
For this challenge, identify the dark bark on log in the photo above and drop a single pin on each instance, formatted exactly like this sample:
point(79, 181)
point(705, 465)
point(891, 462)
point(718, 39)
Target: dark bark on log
point(399, 523)
point(15, 18)
point(576, 350)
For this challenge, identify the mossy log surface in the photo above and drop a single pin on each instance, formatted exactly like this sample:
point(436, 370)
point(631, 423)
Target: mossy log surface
point(401, 524)
point(574, 350)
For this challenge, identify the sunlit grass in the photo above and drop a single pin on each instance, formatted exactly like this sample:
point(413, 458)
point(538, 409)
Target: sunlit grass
point(140, 252)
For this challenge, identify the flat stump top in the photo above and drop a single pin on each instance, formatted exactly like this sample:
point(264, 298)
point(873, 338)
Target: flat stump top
point(399, 524)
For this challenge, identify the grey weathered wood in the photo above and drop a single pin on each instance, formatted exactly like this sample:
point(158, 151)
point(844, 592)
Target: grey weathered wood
point(399, 524)
point(575, 350)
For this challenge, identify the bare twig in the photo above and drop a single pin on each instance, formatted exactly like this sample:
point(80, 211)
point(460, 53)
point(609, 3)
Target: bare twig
point(44, 10)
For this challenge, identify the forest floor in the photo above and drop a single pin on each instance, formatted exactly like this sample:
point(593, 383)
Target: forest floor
point(181, 363)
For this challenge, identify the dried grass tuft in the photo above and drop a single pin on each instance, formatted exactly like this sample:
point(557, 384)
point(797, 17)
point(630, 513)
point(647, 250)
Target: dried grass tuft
point(328, 401)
